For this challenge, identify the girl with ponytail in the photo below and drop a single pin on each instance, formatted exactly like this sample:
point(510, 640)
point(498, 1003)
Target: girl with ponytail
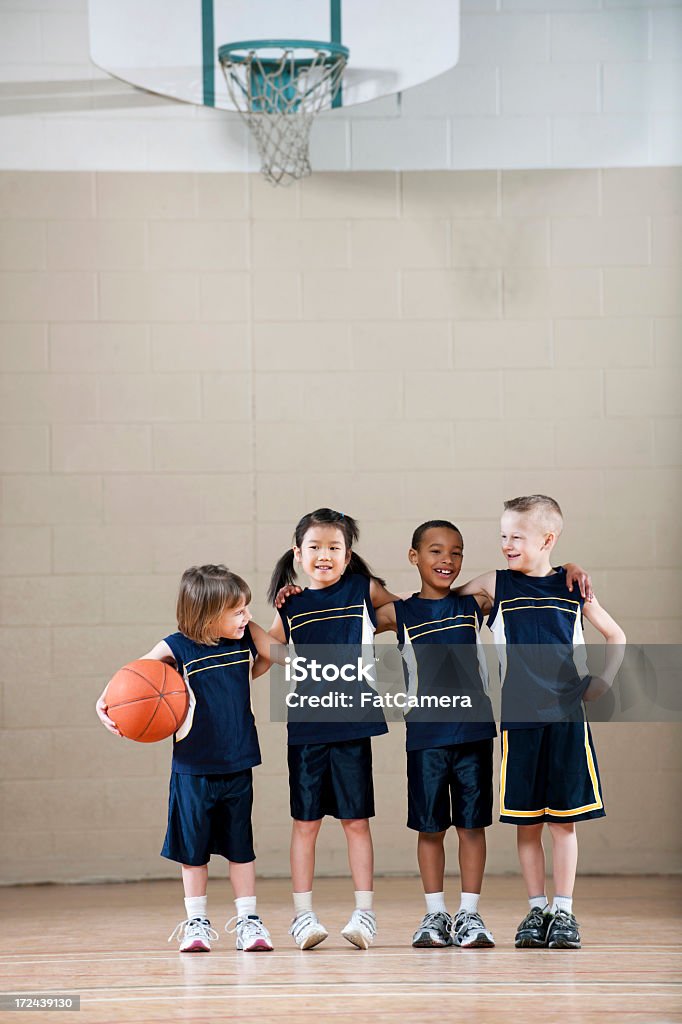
point(330, 753)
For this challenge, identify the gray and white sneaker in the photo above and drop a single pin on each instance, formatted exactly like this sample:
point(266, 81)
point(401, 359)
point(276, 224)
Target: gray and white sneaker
point(252, 935)
point(469, 931)
point(194, 935)
point(307, 930)
point(361, 930)
point(435, 930)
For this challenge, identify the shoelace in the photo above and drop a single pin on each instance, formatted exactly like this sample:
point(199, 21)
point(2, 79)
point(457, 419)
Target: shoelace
point(565, 918)
point(365, 919)
point(198, 926)
point(247, 928)
point(302, 921)
point(467, 919)
point(437, 919)
point(535, 919)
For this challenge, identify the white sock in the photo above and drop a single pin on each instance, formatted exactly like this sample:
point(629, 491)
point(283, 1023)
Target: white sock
point(538, 902)
point(245, 905)
point(364, 898)
point(195, 906)
point(303, 901)
point(435, 902)
point(469, 902)
point(563, 903)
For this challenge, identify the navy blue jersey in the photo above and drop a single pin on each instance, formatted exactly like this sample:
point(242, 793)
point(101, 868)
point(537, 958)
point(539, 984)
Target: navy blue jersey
point(440, 645)
point(537, 625)
point(336, 626)
point(218, 735)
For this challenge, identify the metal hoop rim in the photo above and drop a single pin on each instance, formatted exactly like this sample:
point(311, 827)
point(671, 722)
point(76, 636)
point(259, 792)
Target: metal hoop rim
point(332, 51)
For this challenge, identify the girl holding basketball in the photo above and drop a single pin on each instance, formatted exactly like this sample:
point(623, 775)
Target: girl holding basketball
point(329, 753)
point(217, 649)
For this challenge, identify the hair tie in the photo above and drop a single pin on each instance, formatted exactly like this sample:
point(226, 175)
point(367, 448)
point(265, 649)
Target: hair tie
point(342, 515)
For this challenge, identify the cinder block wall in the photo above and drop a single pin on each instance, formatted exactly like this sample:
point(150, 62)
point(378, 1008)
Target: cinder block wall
point(190, 362)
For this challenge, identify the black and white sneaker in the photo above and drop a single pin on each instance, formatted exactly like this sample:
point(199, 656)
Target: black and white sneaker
point(563, 931)
point(470, 932)
point(434, 931)
point(532, 932)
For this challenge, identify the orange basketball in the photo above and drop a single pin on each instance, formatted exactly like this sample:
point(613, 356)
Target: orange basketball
point(147, 699)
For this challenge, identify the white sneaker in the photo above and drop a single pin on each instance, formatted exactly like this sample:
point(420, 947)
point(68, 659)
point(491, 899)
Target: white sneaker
point(307, 930)
point(252, 935)
point(361, 929)
point(194, 935)
point(469, 931)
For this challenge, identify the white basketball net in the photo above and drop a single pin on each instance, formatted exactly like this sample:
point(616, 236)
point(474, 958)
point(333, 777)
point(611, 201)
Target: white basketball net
point(278, 98)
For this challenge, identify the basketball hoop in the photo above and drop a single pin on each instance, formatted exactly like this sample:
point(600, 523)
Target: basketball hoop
point(278, 86)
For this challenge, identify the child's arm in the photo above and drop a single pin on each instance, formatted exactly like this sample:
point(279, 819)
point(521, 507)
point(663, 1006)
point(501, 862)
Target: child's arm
point(482, 588)
point(614, 650)
point(283, 593)
point(266, 646)
point(161, 652)
point(386, 619)
point(378, 594)
point(575, 574)
point(262, 661)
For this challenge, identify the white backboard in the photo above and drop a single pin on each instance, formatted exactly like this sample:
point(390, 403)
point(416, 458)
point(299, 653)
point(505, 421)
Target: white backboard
point(170, 46)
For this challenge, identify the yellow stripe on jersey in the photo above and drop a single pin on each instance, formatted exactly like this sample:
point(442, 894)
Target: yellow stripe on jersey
point(446, 618)
point(224, 664)
point(539, 608)
point(323, 611)
point(326, 618)
point(460, 625)
point(221, 654)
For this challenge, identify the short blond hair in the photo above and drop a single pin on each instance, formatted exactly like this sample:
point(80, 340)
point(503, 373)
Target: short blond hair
point(545, 510)
point(206, 591)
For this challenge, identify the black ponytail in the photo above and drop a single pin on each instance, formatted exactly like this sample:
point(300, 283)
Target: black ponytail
point(284, 572)
point(359, 566)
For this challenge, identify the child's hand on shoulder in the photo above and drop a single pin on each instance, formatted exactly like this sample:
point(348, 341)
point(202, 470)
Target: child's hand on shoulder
point(575, 575)
point(284, 592)
point(101, 709)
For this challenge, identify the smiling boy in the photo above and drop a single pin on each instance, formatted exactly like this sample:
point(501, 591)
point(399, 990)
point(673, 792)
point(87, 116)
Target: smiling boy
point(549, 767)
point(449, 757)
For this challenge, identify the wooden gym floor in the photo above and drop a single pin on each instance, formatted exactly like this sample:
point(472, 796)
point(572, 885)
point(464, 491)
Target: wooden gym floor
point(108, 944)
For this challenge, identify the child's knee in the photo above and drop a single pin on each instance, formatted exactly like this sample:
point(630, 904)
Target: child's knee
point(529, 833)
point(432, 838)
point(306, 829)
point(355, 826)
point(471, 835)
point(559, 829)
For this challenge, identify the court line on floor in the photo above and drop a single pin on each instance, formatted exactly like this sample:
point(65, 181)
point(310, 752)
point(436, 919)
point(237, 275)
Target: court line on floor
point(110, 957)
point(342, 987)
point(372, 992)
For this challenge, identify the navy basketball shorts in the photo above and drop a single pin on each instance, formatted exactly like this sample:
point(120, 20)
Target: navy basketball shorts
point(331, 778)
point(450, 786)
point(210, 814)
point(549, 773)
